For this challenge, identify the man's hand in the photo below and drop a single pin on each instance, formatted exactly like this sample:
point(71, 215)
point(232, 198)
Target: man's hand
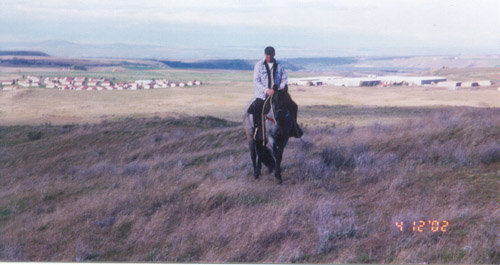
point(270, 92)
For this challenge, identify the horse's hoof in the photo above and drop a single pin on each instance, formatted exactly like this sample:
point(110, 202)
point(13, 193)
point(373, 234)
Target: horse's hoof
point(256, 175)
point(279, 181)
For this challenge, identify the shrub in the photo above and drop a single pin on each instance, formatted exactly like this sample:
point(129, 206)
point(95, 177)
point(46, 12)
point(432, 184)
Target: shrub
point(98, 170)
point(78, 67)
point(157, 138)
point(364, 159)
point(3, 153)
point(67, 128)
point(333, 157)
point(334, 221)
point(388, 160)
point(359, 148)
point(380, 128)
point(34, 135)
point(106, 221)
point(312, 169)
point(461, 156)
point(489, 153)
point(135, 168)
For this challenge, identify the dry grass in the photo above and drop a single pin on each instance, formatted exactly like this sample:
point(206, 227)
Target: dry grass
point(223, 95)
point(181, 190)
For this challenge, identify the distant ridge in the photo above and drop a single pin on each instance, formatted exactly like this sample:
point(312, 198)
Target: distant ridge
point(211, 64)
point(235, 64)
point(23, 53)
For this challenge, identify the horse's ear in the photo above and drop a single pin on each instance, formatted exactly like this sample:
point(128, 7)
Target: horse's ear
point(286, 88)
point(275, 88)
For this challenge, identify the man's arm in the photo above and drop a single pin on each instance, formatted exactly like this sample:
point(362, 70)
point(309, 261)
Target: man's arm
point(257, 80)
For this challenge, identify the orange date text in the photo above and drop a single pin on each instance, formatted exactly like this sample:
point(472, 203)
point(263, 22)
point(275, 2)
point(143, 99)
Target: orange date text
point(423, 226)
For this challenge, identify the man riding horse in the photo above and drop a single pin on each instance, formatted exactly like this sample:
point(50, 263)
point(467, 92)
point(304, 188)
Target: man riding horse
point(271, 95)
point(269, 75)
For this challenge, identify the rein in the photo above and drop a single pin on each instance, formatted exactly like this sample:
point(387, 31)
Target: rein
point(263, 117)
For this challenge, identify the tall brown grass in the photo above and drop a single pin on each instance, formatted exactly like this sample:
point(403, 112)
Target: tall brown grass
point(181, 190)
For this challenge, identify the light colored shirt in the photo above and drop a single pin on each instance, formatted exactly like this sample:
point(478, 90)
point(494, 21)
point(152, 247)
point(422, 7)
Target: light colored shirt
point(271, 72)
point(261, 79)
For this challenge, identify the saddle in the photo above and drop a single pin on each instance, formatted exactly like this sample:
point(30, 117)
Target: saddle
point(259, 131)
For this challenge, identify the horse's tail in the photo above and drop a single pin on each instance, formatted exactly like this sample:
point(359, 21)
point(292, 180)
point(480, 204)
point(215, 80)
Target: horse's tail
point(246, 121)
point(245, 125)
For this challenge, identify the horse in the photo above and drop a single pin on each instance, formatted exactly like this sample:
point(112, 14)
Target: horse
point(278, 126)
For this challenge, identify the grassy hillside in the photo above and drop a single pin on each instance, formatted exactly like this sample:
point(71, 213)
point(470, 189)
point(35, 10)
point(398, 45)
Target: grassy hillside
point(164, 189)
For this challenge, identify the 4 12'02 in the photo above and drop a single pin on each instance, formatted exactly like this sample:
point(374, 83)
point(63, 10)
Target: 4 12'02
point(421, 226)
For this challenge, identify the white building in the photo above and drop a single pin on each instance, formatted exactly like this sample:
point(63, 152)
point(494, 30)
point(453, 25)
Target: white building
point(7, 88)
point(92, 82)
point(485, 83)
point(449, 84)
point(143, 82)
point(365, 81)
point(79, 81)
point(34, 78)
point(66, 81)
point(470, 84)
point(24, 83)
point(50, 85)
point(7, 82)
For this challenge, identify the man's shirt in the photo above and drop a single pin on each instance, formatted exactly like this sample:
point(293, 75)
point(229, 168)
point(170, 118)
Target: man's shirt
point(261, 79)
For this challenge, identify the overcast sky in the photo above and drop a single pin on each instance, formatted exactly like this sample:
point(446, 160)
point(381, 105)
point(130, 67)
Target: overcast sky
point(239, 29)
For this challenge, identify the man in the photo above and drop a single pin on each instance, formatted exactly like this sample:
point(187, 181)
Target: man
point(267, 74)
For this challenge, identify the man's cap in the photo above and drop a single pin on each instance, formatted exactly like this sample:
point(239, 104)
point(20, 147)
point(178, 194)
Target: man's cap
point(269, 50)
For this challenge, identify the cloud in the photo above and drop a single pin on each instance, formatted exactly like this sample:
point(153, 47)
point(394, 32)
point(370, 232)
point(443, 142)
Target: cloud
point(423, 22)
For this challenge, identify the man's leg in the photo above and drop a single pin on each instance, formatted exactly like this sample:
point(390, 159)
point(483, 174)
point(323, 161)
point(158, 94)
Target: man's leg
point(257, 117)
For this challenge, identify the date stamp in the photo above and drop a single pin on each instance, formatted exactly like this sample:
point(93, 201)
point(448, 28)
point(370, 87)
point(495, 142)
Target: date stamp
point(423, 226)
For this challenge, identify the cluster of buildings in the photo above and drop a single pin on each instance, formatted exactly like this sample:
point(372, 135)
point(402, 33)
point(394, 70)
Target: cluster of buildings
point(84, 83)
point(383, 81)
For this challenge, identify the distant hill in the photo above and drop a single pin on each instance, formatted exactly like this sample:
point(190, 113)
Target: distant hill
point(323, 60)
point(211, 64)
point(23, 53)
point(224, 64)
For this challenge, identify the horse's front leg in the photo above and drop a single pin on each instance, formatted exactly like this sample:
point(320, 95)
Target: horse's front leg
point(278, 147)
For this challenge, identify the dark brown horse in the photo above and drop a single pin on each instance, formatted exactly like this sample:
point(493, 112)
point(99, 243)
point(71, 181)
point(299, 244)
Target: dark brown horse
point(279, 123)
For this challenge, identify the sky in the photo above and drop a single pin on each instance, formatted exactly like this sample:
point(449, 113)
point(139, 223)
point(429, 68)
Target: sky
point(223, 29)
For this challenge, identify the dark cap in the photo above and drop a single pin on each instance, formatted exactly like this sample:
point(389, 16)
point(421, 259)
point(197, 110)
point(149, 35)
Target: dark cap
point(269, 50)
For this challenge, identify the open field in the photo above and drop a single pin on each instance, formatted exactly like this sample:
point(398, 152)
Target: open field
point(165, 174)
point(223, 94)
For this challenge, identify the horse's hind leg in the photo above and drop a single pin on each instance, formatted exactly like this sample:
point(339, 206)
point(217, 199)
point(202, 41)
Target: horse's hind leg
point(255, 160)
point(277, 169)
